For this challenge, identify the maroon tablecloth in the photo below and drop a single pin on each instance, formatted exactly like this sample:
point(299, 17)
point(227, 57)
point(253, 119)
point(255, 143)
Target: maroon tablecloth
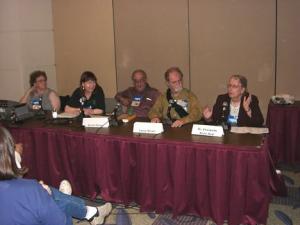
point(283, 122)
point(221, 182)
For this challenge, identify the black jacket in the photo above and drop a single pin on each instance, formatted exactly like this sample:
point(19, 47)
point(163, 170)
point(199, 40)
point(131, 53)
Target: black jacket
point(222, 107)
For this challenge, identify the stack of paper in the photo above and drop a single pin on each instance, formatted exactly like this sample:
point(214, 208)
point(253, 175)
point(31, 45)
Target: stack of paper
point(251, 130)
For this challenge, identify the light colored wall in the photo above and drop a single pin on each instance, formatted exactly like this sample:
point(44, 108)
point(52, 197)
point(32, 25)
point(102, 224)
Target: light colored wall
point(232, 37)
point(151, 35)
point(84, 40)
point(288, 60)
point(26, 44)
point(208, 39)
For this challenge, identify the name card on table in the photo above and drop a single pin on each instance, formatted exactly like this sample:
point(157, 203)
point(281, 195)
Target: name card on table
point(207, 130)
point(101, 121)
point(148, 128)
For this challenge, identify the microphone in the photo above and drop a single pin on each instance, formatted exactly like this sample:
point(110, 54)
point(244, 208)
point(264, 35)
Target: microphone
point(82, 101)
point(113, 120)
point(224, 122)
point(116, 109)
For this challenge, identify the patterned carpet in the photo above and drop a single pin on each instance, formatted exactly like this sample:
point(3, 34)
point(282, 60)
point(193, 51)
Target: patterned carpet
point(132, 216)
point(293, 198)
point(282, 210)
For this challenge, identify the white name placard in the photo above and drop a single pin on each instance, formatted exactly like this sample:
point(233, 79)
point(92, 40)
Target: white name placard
point(101, 121)
point(207, 130)
point(148, 128)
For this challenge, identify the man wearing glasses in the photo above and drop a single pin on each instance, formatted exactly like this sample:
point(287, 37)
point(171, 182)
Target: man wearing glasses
point(178, 105)
point(140, 98)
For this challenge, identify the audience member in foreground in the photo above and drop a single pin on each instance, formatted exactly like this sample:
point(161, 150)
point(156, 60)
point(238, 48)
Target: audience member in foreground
point(25, 201)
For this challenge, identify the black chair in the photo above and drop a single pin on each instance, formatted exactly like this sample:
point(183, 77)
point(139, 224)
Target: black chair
point(63, 101)
point(110, 104)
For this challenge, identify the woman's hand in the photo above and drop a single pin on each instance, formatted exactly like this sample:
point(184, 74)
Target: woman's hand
point(88, 112)
point(207, 113)
point(24, 98)
point(246, 103)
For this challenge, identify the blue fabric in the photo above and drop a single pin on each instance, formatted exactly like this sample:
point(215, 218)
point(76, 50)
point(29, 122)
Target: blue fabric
point(24, 201)
point(71, 205)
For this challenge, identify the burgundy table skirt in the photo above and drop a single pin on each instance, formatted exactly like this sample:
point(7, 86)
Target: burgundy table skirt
point(284, 138)
point(220, 182)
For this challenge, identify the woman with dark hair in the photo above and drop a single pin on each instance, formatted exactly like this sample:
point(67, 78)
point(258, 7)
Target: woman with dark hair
point(237, 107)
point(39, 96)
point(88, 98)
point(25, 201)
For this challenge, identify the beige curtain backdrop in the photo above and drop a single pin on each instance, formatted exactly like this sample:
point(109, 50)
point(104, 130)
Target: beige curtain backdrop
point(207, 39)
point(151, 35)
point(232, 37)
point(84, 40)
point(288, 57)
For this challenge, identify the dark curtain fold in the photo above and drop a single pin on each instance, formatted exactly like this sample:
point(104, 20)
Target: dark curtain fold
point(284, 138)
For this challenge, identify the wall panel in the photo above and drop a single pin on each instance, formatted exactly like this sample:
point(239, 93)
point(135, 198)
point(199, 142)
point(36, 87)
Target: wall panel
point(151, 35)
point(288, 66)
point(84, 40)
point(26, 44)
point(229, 37)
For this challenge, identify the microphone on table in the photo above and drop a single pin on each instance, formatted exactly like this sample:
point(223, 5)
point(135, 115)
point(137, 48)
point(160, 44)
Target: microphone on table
point(223, 118)
point(113, 119)
point(82, 101)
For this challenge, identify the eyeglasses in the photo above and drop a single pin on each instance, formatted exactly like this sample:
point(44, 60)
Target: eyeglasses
point(41, 80)
point(176, 82)
point(233, 86)
point(138, 81)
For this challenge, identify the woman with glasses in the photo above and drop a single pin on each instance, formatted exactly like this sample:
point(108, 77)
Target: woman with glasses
point(39, 96)
point(88, 99)
point(237, 107)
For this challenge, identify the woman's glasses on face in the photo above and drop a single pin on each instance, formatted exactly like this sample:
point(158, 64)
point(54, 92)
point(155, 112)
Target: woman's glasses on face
point(41, 80)
point(234, 86)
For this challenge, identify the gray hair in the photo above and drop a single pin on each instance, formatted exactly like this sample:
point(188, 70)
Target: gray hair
point(241, 78)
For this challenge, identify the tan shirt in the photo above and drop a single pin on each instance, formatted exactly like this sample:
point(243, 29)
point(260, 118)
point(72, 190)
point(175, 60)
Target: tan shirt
point(160, 108)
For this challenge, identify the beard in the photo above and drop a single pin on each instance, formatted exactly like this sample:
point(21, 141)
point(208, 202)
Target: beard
point(177, 89)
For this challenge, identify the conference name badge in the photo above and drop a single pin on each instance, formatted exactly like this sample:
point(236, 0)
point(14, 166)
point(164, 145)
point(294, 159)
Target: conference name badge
point(207, 130)
point(136, 101)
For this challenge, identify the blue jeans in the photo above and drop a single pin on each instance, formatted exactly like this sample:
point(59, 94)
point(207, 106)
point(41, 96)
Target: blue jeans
point(72, 206)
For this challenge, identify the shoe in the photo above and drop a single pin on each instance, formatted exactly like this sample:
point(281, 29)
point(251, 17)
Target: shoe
point(103, 211)
point(65, 187)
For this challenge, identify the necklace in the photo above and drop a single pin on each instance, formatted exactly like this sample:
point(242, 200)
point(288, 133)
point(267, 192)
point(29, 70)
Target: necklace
point(234, 109)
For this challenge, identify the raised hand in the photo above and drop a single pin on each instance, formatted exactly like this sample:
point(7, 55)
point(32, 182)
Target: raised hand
point(246, 103)
point(207, 113)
